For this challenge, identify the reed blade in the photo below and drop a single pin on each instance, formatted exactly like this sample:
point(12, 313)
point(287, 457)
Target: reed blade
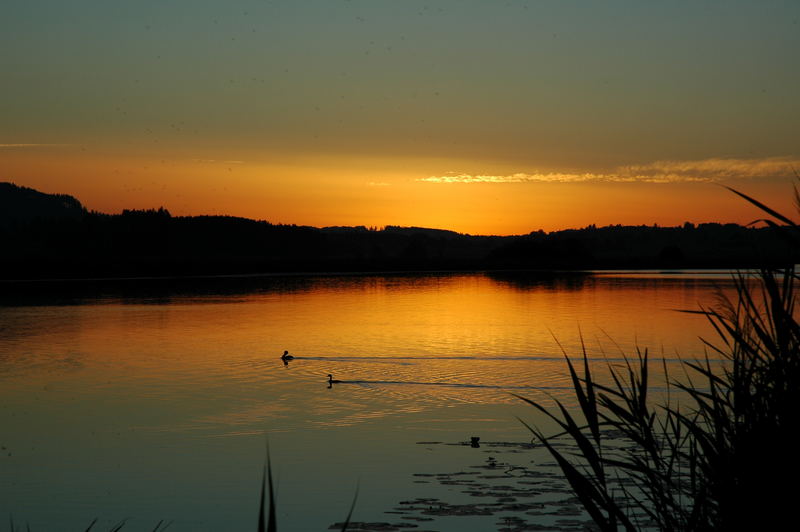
point(350, 513)
point(770, 211)
point(261, 523)
point(272, 525)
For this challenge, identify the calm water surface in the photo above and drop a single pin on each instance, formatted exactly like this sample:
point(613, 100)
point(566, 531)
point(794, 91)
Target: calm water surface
point(152, 404)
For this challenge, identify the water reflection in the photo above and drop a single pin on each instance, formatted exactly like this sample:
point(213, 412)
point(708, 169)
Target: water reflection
point(112, 387)
point(153, 291)
point(541, 280)
point(217, 289)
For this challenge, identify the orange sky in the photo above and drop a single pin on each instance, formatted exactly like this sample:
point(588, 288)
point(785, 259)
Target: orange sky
point(470, 116)
point(330, 192)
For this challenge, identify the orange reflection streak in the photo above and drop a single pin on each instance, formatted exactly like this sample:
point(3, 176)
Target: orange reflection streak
point(403, 339)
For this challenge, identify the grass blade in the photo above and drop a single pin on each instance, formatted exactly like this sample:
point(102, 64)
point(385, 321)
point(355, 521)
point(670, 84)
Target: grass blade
point(350, 513)
point(272, 525)
point(763, 207)
point(261, 524)
point(119, 525)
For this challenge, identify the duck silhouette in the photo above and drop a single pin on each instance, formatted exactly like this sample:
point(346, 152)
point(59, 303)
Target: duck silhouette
point(331, 380)
point(286, 356)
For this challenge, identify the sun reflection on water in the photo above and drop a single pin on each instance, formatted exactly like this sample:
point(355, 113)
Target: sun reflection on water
point(190, 381)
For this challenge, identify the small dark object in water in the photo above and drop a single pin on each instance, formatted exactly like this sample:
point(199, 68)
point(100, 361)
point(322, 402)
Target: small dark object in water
point(475, 440)
point(331, 379)
point(286, 356)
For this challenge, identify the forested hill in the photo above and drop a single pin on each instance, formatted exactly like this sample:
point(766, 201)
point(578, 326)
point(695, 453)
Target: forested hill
point(21, 204)
point(53, 236)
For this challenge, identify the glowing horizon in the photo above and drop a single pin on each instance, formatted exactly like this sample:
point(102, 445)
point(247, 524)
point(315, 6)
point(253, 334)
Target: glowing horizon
point(468, 116)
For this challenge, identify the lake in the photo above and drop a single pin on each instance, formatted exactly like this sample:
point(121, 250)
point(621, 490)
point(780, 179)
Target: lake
point(154, 399)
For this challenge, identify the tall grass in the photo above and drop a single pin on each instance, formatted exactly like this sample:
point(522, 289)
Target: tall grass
point(270, 524)
point(718, 451)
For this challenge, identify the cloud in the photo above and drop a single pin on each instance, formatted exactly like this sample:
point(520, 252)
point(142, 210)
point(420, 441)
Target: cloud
point(452, 177)
point(700, 171)
point(718, 169)
point(378, 184)
point(29, 145)
point(216, 161)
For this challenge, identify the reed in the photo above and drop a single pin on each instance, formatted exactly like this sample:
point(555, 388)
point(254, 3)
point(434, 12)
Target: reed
point(719, 453)
point(266, 522)
point(270, 523)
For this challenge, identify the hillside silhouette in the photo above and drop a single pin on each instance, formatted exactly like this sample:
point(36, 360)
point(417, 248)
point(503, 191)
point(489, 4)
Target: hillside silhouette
point(22, 204)
point(54, 236)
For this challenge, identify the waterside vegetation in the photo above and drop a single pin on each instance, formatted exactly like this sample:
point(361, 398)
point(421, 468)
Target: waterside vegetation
point(719, 452)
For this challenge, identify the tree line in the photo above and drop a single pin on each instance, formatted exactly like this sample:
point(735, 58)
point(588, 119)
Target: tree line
point(47, 236)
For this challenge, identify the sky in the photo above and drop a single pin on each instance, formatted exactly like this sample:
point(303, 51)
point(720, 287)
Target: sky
point(483, 117)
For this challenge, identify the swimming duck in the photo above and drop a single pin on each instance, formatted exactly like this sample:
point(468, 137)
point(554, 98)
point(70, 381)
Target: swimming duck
point(331, 380)
point(286, 356)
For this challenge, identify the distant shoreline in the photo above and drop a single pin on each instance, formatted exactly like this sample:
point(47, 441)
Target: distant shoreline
point(48, 236)
point(69, 291)
point(378, 273)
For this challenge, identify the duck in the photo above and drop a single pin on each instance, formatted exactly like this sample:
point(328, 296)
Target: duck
point(286, 356)
point(331, 379)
